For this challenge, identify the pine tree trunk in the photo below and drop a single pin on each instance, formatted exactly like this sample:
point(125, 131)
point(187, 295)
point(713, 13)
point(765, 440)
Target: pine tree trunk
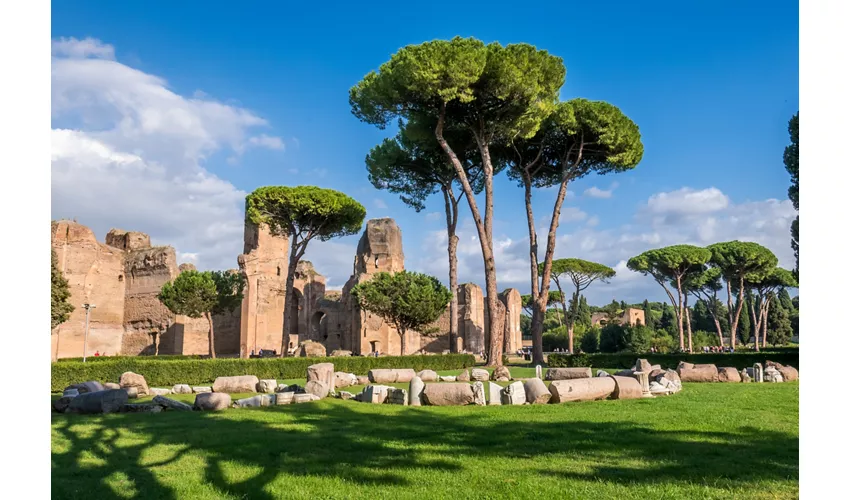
point(451, 226)
point(766, 311)
point(401, 333)
point(688, 323)
point(680, 319)
point(756, 324)
point(288, 297)
point(212, 336)
point(485, 230)
point(734, 324)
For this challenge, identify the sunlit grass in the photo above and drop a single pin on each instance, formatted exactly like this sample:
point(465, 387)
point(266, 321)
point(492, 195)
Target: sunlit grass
point(710, 441)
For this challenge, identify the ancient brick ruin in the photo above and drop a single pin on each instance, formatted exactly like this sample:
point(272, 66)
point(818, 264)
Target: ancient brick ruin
point(123, 276)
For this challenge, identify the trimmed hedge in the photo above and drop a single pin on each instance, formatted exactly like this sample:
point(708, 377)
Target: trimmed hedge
point(166, 373)
point(738, 360)
point(166, 357)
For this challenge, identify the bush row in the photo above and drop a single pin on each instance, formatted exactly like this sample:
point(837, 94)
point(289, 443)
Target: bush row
point(166, 373)
point(161, 357)
point(738, 360)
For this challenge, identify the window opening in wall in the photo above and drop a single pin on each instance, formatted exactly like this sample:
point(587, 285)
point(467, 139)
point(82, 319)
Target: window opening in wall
point(120, 277)
point(278, 270)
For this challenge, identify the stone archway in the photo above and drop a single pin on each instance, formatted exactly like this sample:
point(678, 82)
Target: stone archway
point(318, 326)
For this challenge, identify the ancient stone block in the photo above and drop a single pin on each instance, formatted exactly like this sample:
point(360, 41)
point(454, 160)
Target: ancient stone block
point(130, 379)
point(391, 375)
point(212, 401)
point(345, 395)
point(568, 373)
point(171, 404)
point(254, 401)
point(107, 401)
point(322, 372)
point(159, 391)
point(362, 380)
point(304, 398)
point(536, 392)
point(181, 389)
point(625, 388)
point(141, 408)
point(417, 385)
point(237, 384)
point(310, 349)
point(318, 388)
point(471, 317)
point(428, 376)
point(110, 385)
point(581, 389)
point(495, 393)
point(396, 396)
point(61, 404)
point(456, 394)
point(266, 386)
point(478, 393)
point(375, 394)
point(514, 394)
point(501, 374)
point(448, 378)
point(284, 398)
point(200, 389)
point(728, 374)
point(480, 375)
point(464, 376)
point(342, 379)
point(340, 353)
point(512, 300)
point(699, 373)
point(642, 365)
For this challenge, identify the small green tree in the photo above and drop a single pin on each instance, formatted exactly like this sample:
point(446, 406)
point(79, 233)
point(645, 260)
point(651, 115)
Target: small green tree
point(647, 314)
point(590, 341)
point(302, 213)
point(196, 294)
point(581, 273)
point(779, 329)
point(745, 326)
point(406, 300)
point(60, 293)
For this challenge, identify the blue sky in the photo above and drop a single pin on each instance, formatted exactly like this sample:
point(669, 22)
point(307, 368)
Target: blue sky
point(711, 87)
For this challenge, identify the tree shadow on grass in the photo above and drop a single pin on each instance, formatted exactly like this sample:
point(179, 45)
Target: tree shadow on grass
point(368, 445)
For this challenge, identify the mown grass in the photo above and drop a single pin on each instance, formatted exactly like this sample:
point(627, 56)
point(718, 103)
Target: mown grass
point(709, 441)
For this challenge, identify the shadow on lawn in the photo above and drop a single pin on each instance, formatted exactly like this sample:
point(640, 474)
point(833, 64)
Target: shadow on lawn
point(367, 448)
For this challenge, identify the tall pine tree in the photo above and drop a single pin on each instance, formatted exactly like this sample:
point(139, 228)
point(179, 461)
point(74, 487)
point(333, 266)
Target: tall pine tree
point(60, 308)
point(647, 313)
point(745, 325)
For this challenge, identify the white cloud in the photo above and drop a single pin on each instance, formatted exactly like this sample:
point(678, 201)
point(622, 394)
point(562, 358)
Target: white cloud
point(379, 204)
point(266, 141)
point(687, 201)
point(593, 221)
point(595, 192)
point(572, 214)
point(129, 153)
point(434, 216)
point(79, 49)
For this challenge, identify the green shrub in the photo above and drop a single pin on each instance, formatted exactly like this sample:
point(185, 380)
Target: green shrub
point(161, 357)
point(737, 360)
point(590, 341)
point(165, 373)
point(611, 338)
point(637, 338)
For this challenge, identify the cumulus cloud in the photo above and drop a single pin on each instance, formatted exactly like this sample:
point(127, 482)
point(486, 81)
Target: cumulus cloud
point(79, 49)
point(128, 152)
point(595, 192)
point(687, 201)
point(572, 214)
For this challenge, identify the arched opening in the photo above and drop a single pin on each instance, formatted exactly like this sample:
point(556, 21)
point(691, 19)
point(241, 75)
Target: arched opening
point(375, 345)
point(296, 303)
point(318, 326)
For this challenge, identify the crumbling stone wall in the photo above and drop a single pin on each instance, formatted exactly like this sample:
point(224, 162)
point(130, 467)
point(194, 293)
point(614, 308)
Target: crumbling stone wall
point(95, 274)
point(264, 264)
point(379, 250)
point(471, 317)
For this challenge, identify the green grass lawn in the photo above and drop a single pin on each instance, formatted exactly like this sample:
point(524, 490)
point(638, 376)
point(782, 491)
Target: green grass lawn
point(709, 441)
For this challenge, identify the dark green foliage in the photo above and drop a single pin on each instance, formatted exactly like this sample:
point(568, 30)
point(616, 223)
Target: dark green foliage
point(792, 166)
point(779, 329)
point(700, 317)
point(525, 326)
point(583, 315)
point(192, 293)
point(310, 211)
point(406, 300)
point(785, 299)
point(611, 338)
point(668, 320)
point(590, 341)
point(636, 338)
point(229, 288)
point(745, 324)
point(647, 314)
point(167, 372)
point(556, 338)
point(738, 360)
point(60, 294)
